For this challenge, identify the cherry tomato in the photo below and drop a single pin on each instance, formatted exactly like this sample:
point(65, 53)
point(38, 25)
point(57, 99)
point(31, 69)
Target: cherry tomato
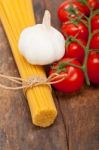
point(72, 30)
point(74, 77)
point(97, 4)
point(95, 23)
point(95, 42)
point(93, 67)
point(94, 3)
point(75, 50)
point(63, 12)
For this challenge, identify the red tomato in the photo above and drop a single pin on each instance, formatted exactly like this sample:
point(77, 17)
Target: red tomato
point(63, 13)
point(95, 23)
point(94, 3)
point(93, 67)
point(72, 30)
point(74, 77)
point(75, 50)
point(95, 42)
point(97, 5)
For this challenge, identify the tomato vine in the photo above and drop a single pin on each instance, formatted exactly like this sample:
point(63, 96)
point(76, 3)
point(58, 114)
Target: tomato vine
point(74, 39)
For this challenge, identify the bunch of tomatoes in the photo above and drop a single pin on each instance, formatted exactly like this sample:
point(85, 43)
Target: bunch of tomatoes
point(80, 27)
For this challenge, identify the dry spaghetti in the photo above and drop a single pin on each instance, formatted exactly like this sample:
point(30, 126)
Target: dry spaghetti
point(16, 15)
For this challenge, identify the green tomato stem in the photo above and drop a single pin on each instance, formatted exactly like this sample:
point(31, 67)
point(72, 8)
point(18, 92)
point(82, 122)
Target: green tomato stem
point(96, 50)
point(87, 49)
point(74, 65)
point(78, 41)
point(95, 32)
point(84, 22)
point(95, 12)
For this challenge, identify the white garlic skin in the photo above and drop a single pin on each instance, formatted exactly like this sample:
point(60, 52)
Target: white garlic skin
point(41, 45)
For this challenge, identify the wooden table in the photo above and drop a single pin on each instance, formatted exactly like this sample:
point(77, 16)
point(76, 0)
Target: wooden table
point(77, 124)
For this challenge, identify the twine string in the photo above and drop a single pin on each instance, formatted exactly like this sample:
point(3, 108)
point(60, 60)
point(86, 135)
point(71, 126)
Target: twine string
point(32, 81)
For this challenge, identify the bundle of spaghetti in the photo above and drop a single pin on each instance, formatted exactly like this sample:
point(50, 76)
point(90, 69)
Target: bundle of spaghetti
point(16, 15)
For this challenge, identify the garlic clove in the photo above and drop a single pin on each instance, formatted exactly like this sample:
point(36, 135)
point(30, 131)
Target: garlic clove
point(47, 19)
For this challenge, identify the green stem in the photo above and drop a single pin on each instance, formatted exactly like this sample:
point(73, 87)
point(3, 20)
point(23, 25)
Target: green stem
point(96, 50)
point(61, 66)
point(86, 17)
point(96, 12)
point(78, 41)
point(95, 32)
point(73, 65)
point(84, 22)
point(87, 49)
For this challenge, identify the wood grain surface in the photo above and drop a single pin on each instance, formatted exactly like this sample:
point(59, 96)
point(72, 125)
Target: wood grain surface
point(77, 124)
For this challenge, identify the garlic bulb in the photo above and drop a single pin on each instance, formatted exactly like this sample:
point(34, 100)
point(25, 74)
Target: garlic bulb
point(42, 44)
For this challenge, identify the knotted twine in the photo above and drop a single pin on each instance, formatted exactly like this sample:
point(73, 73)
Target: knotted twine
point(32, 81)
